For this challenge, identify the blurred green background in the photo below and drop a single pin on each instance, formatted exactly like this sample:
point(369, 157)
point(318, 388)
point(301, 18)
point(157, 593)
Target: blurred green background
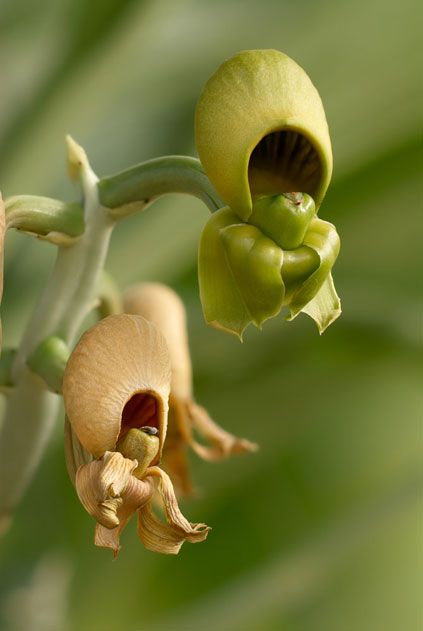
point(322, 529)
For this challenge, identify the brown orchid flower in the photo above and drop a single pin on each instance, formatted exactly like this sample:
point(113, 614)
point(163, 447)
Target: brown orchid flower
point(116, 388)
point(162, 306)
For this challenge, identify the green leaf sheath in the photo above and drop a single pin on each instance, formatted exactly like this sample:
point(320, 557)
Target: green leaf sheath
point(132, 189)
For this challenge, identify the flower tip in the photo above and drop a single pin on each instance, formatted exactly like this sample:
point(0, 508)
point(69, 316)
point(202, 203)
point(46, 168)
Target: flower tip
point(237, 332)
point(76, 158)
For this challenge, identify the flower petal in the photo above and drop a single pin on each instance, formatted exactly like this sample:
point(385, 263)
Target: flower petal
point(111, 494)
point(325, 306)
point(239, 271)
point(255, 263)
point(137, 493)
point(324, 240)
point(167, 538)
point(175, 462)
point(222, 444)
point(163, 307)
point(222, 304)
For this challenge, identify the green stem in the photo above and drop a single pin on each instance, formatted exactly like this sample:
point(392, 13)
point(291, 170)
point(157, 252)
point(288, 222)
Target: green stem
point(132, 189)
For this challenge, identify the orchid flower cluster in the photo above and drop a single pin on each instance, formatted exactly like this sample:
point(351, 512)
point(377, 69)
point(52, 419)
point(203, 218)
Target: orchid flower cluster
point(130, 412)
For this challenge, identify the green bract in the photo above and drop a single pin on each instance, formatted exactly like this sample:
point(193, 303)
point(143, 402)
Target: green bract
point(261, 133)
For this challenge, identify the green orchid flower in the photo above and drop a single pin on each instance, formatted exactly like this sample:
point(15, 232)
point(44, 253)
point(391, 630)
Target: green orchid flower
point(261, 133)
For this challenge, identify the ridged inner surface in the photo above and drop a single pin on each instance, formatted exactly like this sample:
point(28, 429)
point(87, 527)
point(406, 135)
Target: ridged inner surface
point(140, 411)
point(284, 161)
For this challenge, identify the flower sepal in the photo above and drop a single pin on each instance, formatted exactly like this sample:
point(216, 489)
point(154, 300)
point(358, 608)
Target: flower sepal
point(239, 273)
point(245, 275)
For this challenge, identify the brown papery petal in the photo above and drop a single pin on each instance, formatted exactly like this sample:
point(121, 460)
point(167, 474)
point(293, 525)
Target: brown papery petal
point(167, 538)
point(121, 356)
point(163, 307)
point(136, 494)
point(175, 463)
point(109, 491)
point(222, 443)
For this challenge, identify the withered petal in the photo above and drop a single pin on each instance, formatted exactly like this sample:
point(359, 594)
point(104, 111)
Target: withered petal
point(222, 444)
point(136, 494)
point(167, 538)
point(109, 491)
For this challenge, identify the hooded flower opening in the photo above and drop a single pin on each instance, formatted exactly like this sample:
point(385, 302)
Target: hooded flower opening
point(142, 410)
point(261, 111)
point(284, 160)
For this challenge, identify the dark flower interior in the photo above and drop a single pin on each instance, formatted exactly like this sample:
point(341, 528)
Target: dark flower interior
point(141, 410)
point(284, 161)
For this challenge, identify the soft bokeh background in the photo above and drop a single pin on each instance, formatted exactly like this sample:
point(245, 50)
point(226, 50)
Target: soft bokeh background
point(322, 530)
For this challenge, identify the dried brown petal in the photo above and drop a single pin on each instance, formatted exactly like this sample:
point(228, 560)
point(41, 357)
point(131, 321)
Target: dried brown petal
point(137, 493)
point(175, 460)
point(162, 306)
point(223, 444)
point(109, 491)
point(117, 377)
point(75, 454)
point(167, 538)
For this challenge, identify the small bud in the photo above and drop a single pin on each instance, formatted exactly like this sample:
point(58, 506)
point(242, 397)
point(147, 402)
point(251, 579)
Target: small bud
point(76, 158)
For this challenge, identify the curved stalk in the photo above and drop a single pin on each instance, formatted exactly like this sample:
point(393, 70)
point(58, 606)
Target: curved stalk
point(132, 189)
